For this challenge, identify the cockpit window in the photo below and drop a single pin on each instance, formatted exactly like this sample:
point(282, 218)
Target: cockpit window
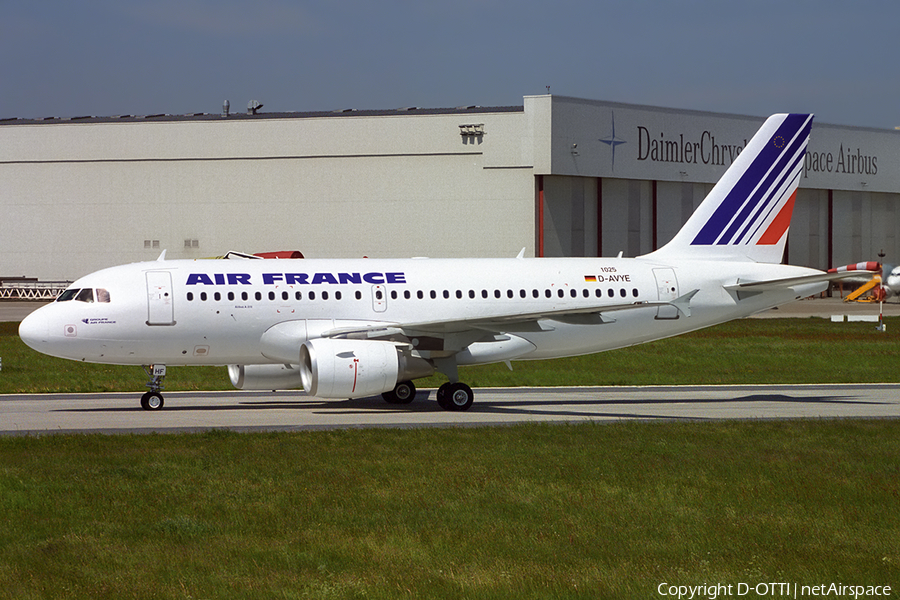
point(67, 295)
point(84, 295)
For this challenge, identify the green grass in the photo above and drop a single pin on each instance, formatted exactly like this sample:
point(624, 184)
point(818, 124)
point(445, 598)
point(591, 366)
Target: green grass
point(745, 351)
point(532, 511)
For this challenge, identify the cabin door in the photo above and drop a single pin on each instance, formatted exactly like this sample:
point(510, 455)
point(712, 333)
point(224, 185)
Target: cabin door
point(668, 290)
point(160, 309)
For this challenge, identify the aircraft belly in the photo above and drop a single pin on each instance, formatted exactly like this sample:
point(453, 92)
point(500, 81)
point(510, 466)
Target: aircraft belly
point(572, 340)
point(170, 345)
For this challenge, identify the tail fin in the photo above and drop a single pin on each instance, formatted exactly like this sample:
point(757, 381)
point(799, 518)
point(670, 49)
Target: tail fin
point(747, 213)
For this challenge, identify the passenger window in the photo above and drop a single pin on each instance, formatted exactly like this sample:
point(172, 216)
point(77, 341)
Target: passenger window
point(190, 296)
point(85, 295)
point(244, 296)
point(337, 295)
point(102, 295)
point(231, 296)
point(217, 296)
point(324, 295)
point(358, 295)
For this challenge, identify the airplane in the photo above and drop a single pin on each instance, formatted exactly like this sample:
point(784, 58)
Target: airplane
point(892, 282)
point(362, 327)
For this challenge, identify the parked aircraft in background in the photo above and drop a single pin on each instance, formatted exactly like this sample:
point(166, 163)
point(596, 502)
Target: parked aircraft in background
point(891, 283)
point(356, 328)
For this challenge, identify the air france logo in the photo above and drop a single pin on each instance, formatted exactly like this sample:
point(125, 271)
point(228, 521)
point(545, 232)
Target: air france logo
point(374, 278)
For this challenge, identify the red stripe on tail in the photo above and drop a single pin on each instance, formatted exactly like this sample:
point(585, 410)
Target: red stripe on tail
point(779, 225)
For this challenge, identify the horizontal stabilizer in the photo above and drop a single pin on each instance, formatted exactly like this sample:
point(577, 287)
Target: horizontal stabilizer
point(788, 282)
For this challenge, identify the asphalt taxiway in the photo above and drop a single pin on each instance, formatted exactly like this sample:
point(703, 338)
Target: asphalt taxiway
point(289, 411)
point(294, 410)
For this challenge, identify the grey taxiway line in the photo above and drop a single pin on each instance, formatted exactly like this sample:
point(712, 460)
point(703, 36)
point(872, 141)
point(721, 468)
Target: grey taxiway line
point(39, 414)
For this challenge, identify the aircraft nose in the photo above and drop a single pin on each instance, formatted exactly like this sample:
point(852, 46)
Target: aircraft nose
point(34, 330)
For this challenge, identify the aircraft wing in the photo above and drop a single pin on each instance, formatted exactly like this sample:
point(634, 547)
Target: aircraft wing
point(781, 284)
point(511, 322)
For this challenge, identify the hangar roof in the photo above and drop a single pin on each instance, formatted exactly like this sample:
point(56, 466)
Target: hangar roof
point(232, 116)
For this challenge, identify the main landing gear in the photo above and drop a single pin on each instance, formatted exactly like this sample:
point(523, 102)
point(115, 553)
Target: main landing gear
point(153, 400)
point(450, 396)
point(455, 396)
point(403, 393)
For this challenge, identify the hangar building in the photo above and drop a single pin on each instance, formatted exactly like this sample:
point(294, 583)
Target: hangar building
point(558, 176)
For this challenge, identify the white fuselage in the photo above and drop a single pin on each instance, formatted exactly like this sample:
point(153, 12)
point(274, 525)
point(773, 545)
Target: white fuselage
point(215, 312)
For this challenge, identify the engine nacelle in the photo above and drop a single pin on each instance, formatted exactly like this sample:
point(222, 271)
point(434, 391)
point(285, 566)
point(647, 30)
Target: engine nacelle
point(265, 377)
point(346, 368)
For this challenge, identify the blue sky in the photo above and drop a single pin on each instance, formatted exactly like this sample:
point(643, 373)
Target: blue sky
point(840, 60)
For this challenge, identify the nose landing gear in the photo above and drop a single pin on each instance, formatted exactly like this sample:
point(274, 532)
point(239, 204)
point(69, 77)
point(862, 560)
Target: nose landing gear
point(153, 400)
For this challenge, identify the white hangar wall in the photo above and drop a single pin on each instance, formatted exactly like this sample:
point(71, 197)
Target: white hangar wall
point(85, 195)
point(558, 176)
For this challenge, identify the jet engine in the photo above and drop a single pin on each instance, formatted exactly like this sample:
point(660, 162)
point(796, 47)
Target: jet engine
point(265, 377)
point(348, 368)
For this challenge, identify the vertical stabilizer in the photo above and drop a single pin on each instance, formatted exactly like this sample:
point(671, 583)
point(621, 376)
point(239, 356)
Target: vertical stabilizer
point(747, 213)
